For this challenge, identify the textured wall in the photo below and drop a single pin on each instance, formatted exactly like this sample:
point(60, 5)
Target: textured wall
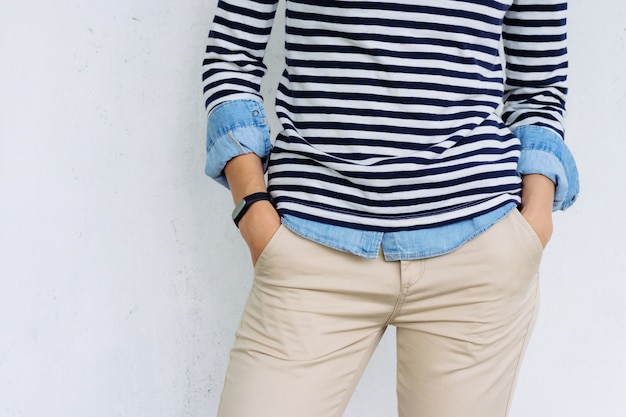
point(122, 277)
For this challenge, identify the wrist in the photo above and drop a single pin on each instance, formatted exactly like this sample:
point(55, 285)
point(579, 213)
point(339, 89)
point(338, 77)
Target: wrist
point(247, 203)
point(537, 192)
point(260, 213)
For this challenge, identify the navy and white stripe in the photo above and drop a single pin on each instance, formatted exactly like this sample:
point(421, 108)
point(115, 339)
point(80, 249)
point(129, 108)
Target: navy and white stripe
point(390, 109)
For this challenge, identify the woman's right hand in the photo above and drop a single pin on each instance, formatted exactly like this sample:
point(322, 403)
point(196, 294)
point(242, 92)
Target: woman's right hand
point(258, 226)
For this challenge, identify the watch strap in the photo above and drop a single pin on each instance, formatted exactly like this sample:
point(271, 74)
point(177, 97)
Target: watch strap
point(242, 207)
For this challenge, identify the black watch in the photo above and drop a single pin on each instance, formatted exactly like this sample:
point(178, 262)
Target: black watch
point(242, 207)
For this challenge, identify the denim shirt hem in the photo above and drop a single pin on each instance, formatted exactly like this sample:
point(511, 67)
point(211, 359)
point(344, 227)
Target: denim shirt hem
point(396, 246)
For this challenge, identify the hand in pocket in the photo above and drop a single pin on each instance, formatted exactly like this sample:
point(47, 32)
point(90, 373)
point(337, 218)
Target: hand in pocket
point(258, 226)
point(537, 197)
point(541, 222)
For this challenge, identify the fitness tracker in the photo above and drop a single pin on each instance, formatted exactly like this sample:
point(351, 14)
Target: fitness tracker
point(242, 207)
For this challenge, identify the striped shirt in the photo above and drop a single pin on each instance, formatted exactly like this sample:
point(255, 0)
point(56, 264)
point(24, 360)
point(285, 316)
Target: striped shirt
point(395, 114)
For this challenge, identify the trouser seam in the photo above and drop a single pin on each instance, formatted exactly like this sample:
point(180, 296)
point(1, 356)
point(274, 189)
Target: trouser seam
point(365, 358)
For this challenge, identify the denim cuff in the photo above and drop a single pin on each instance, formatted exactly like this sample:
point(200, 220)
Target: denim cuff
point(235, 128)
point(544, 152)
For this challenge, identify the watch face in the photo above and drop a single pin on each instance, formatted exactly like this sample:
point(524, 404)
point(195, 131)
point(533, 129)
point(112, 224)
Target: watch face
point(240, 205)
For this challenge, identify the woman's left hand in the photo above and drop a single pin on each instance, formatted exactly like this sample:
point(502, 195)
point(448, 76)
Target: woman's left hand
point(537, 198)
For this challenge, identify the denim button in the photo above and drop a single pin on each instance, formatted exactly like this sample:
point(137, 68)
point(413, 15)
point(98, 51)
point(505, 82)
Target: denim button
point(255, 113)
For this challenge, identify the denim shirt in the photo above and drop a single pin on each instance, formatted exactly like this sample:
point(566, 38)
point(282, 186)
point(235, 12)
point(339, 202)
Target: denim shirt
point(240, 126)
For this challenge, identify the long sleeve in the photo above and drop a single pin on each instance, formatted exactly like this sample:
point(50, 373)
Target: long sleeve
point(232, 72)
point(233, 62)
point(535, 37)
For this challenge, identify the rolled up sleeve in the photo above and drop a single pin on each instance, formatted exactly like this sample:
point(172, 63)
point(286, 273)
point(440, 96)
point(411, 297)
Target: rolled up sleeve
point(235, 128)
point(544, 152)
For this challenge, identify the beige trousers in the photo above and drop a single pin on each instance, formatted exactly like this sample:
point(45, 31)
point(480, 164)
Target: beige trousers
point(315, 316)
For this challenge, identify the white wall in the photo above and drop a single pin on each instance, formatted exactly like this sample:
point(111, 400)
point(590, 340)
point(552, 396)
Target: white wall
point(122, 277)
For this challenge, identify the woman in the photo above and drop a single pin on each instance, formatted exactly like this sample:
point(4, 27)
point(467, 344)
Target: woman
point(410, 186)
